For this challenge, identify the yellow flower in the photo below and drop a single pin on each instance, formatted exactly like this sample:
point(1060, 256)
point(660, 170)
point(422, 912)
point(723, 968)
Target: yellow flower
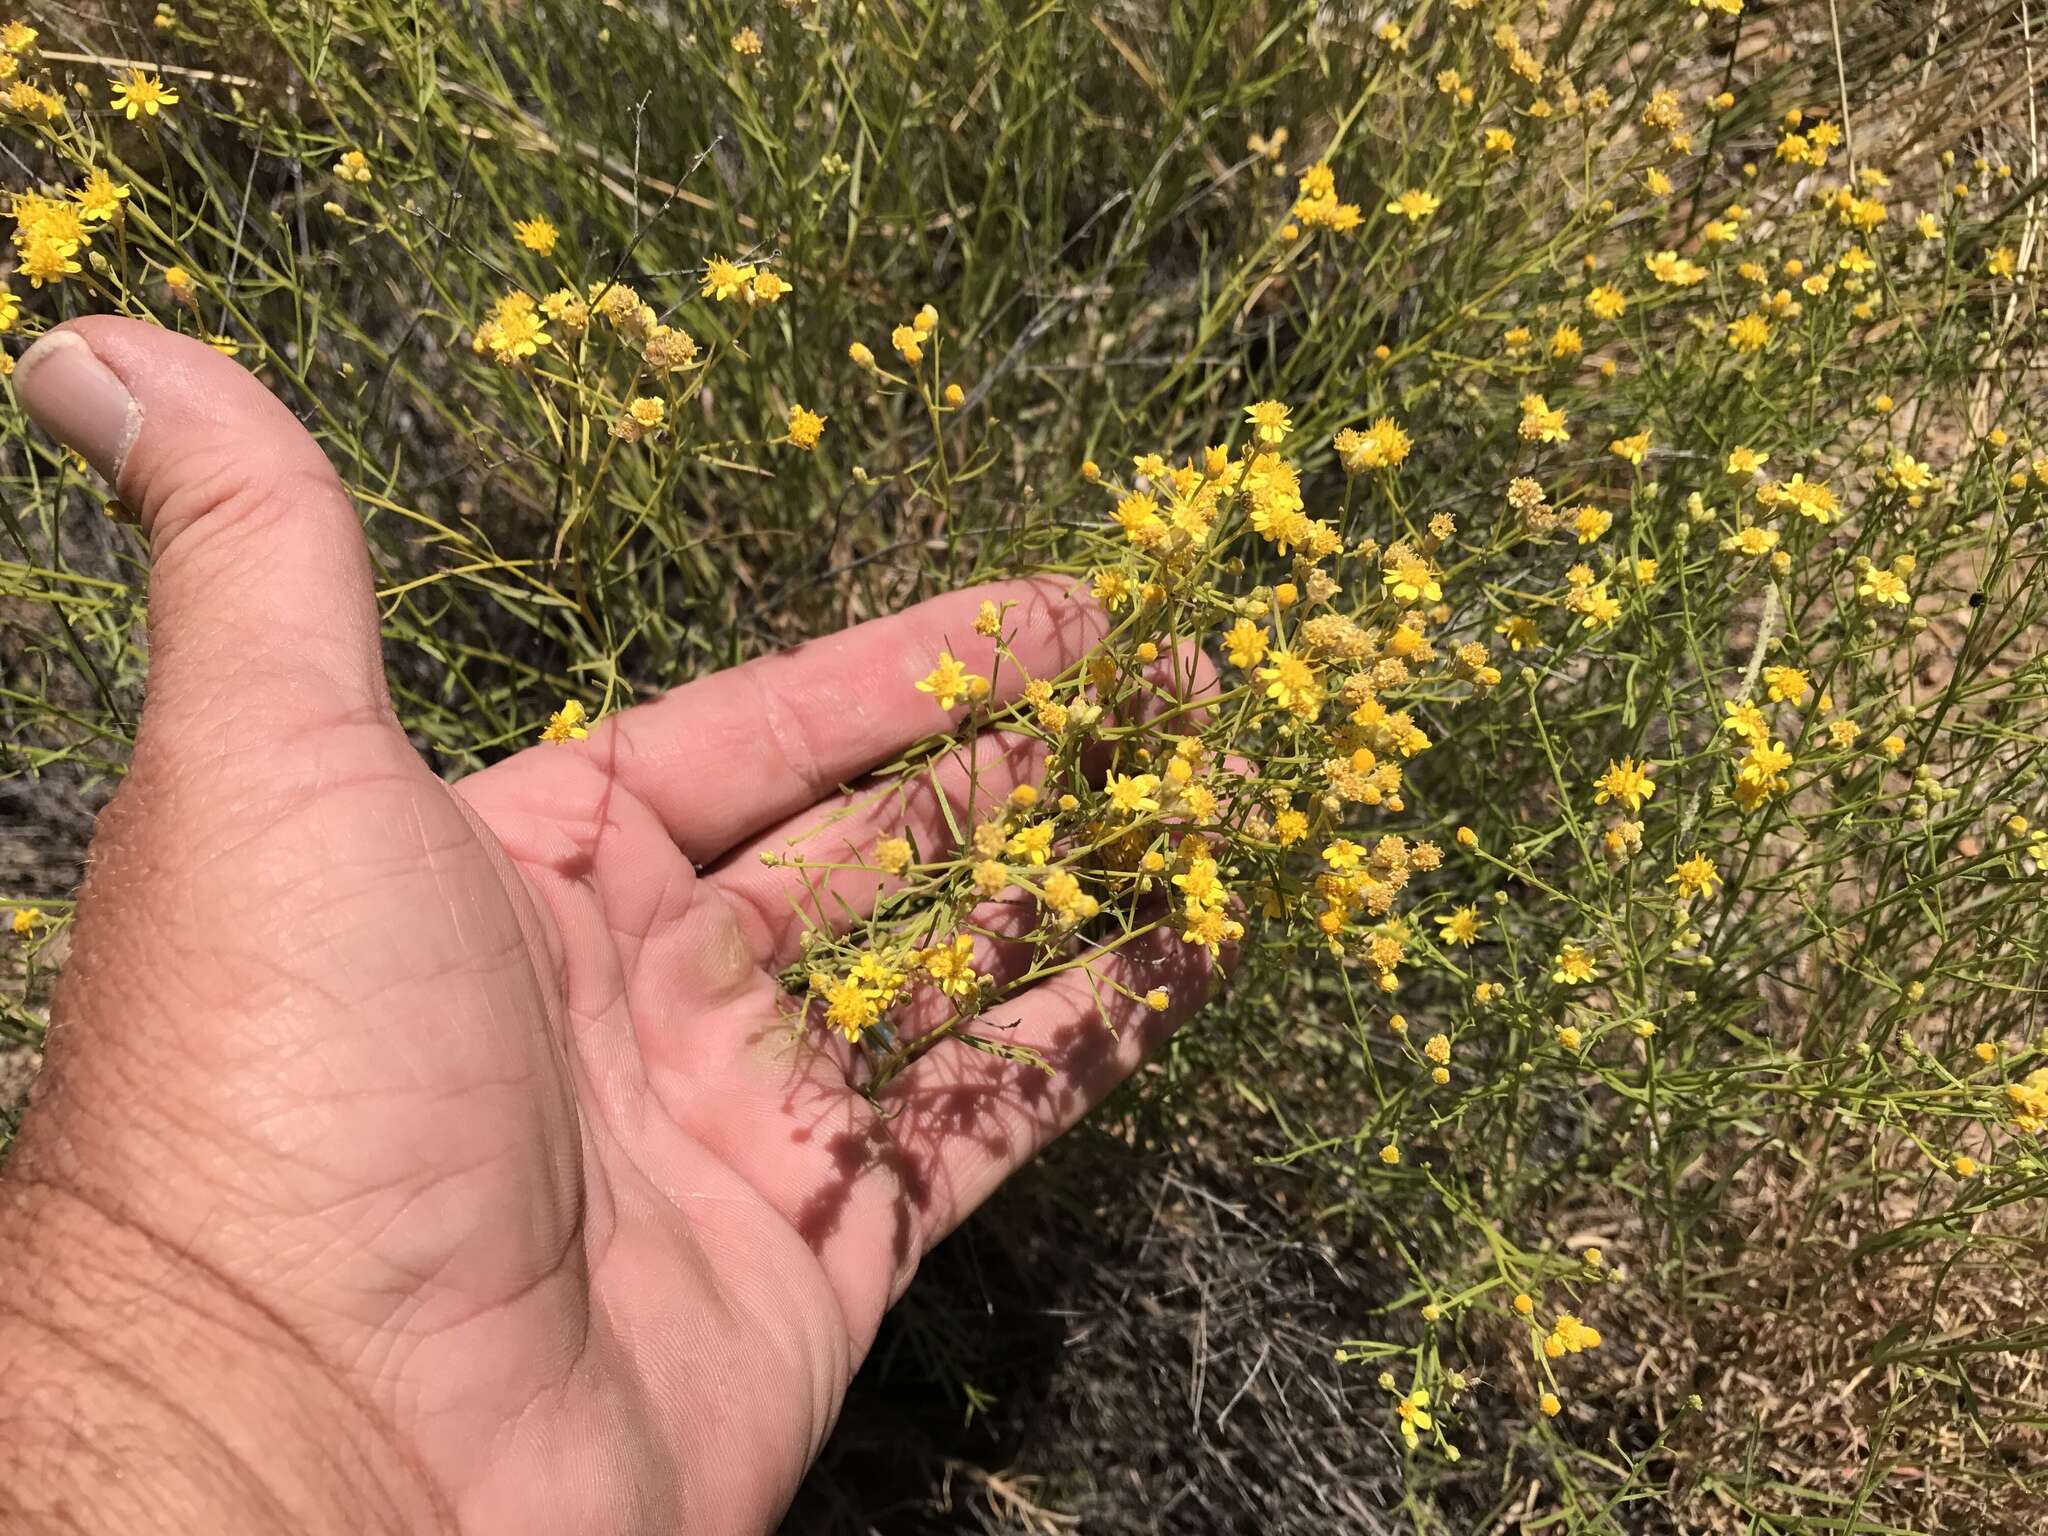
point(1415, 205)
point(1291, 683)
point(47, 260)
point(949, 682)
point(1383, 445)
point(1749, 333)
point(1408, 576)
point(1208, 928)
point(1541, 423)
point(1811, 499)
point(1674, 269)
point(1883, 587)
point(951, 967)
point(1627, 781)
point(1632, 448)
point(1761, 774)
point(537, 234)
point(746, 42)
point(1244, 643)
point(1605, 302)
point(25, 920)
point(354, 166)
point(2002, 262)
point(137, 93)
point(848, 1006)
point(1568, 1336)
point(1269, 419)
point(892, 855)
point(99, 196)
point(1459, 926)
point(1574, 966)
point(1412, 1410)
point(767, 287)
point(1906, 473)
point(643, 414)
point(805, 428)
point(1746, 722)
point(724, 279)
point(2029, 1100)
point(512, 332)
point(1786, 684)
point(1519, 630)
point(1695, 876)
point(1134, 794)
point(567, 723)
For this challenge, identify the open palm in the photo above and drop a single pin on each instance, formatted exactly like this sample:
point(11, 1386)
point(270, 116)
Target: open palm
point(487, 1098)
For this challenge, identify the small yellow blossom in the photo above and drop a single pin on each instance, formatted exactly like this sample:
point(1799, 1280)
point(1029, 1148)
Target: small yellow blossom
point(1269, 420)
point(1574, 966)
point(1415, 205)
point(1749, 333)
point(1569, 1336)
point(537, 234)
point(137, 93)
point(1459, 926)
point(569, 723)
point(805, 427)
point(1695, 876)
point(1627, 782)
point(949, 683)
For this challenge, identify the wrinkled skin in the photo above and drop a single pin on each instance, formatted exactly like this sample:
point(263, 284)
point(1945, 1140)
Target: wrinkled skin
point(417, 1157)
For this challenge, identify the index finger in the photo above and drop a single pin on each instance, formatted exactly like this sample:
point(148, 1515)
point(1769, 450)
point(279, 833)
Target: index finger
point(724, 758)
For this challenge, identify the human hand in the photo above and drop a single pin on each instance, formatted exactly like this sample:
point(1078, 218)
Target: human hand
point(415, 1158)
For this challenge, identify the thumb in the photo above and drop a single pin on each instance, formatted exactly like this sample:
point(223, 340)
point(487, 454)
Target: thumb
point(261, 604)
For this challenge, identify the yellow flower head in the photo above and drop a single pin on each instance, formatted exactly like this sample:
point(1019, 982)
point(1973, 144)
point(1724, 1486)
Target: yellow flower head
point(137, 93)
point(537, 234)
point(805, 428)
point(1695, 876)
point(1269, 419)
point(949, 683)
point(1415, 205)
point(99, 196)
point(569, 723)
point(1627, 782)
point(724, 279)
point(1574, 965)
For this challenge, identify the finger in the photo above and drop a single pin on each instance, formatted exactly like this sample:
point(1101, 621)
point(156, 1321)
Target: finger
point(934, 809)
point(261, 611)
point(825, 872)
point(966, 1120)
point(725, 758)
